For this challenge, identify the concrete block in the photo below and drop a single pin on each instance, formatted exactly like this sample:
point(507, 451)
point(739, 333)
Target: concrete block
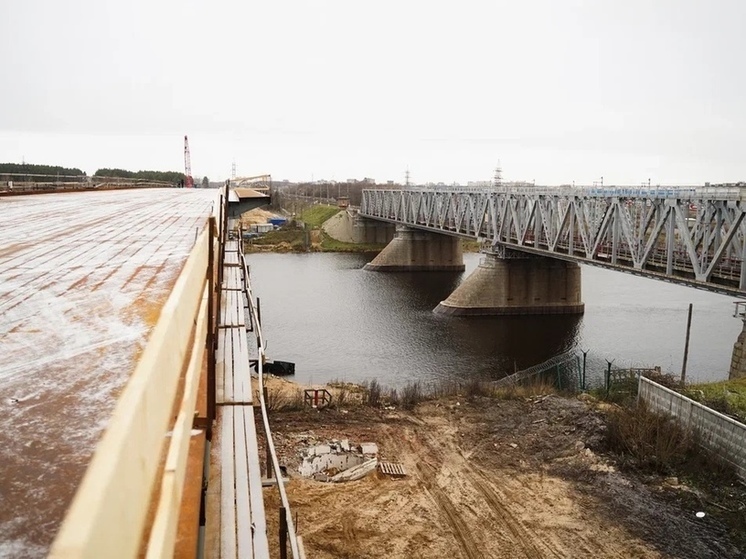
point(356, 472)
point(369, 448)
point(319, 450)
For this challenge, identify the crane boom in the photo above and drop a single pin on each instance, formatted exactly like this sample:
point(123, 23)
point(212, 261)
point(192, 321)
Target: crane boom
point(189, 183)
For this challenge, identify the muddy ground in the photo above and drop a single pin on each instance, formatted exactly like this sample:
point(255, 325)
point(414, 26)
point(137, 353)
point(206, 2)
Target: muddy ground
point(526, 477)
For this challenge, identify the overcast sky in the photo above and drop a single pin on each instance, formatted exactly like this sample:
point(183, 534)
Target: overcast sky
point(557, 91)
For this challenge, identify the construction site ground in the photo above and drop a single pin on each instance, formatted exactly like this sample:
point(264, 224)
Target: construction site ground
point(520, 477)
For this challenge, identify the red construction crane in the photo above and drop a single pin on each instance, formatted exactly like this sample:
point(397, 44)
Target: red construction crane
point(187, 165)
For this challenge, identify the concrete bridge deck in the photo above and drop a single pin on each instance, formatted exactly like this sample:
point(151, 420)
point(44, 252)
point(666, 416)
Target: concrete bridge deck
point(83, 276)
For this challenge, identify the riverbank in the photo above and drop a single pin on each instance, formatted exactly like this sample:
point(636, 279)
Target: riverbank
point(516, 473)
point(315, 229)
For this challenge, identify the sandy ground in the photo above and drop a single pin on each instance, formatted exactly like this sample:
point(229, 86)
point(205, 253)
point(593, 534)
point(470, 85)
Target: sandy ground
point(254, 216)
point(82, 279)
point(339, 227)
point(517, 478)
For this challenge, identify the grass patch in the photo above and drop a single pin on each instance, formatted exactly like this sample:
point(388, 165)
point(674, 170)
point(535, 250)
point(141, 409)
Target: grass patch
point(650, 441)
point(728, 397)
point(413, 393)
point(315, 215)
point(286, 239)
point(284, 400)
point(330, 244)
point(289, 235)
point(524, 390)
point(656, 443)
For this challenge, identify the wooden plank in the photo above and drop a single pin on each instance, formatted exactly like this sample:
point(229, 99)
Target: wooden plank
point(187, 535)
point(228, 488)
point(243, 510)
point(243, 371)
point(220, 368)
point(107, 516)
point(258, 517)
point(214, 491)
point(223, 308)
point(163, 534)
point(235, 275)
point(233, 315)
point(240, 313)
point(228, 385)
point(238, 355)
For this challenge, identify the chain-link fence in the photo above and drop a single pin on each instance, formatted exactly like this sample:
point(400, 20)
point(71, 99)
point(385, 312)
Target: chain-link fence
point(571, 371)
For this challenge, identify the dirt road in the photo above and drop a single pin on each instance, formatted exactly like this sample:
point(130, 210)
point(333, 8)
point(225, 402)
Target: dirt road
point(502, 479)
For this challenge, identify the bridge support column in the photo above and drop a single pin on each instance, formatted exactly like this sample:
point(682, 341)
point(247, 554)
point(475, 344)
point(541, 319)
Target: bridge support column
point(413, 250)
point(371, 231)
point(738, 360)
point(511, 282)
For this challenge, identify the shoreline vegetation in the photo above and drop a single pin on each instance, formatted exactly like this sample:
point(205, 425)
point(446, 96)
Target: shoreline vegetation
point(305, 233)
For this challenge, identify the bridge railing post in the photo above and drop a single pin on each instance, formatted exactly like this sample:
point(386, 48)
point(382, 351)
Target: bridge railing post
point(211, 330)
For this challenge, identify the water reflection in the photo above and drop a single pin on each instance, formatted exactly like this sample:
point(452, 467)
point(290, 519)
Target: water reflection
point(337, 321)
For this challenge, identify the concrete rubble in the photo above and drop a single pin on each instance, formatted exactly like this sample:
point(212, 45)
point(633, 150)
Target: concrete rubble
point(338, 461)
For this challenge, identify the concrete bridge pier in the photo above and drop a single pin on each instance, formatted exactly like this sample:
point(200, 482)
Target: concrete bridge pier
point(370, 231)
point(511, 282)
point(413, 250)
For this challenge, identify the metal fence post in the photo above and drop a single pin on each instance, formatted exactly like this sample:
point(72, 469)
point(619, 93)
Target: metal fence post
point(608, 377)
point(270, 474)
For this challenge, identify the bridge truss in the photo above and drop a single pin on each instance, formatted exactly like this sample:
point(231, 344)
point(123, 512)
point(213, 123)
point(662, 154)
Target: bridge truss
point(694, 236)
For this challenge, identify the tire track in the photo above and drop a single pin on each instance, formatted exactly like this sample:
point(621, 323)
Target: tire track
point(453, 519)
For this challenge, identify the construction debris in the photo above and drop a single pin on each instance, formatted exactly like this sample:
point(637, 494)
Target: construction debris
point(392, 469)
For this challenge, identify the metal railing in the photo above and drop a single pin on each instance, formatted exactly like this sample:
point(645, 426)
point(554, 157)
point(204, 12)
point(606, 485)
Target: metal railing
point(287, 526)
point(20, 183)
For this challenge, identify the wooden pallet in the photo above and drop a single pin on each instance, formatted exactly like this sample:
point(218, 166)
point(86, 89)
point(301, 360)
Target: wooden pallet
point(392, 469)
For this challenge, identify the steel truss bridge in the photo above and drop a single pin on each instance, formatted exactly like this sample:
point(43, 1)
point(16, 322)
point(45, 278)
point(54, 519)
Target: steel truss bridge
point(692, 236)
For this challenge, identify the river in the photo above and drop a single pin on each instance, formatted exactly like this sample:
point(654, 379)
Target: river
point(337, 321)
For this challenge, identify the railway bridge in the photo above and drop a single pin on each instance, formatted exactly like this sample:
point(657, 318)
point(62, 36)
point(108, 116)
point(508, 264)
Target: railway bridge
point(534, 238)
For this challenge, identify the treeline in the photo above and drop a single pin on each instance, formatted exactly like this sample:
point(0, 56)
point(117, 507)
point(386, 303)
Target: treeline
point(29, 169)
point(165, 176)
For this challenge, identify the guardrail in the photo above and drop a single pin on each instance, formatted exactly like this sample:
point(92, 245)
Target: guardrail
point(11, 184)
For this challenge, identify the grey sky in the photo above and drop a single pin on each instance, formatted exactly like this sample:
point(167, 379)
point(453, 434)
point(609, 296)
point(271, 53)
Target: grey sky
point(556, 90)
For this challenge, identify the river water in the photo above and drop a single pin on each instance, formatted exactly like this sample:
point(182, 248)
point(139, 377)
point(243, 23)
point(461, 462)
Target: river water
point(337, 321)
